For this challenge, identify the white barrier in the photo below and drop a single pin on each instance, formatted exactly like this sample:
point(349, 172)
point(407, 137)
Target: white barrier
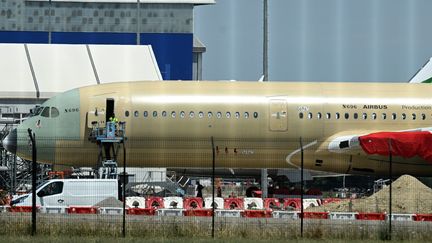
point(170, 212)
point(219, 202)
point(135, 202)
point(285, 214)
point(228, 213)
point(111, 210)
point(253, 203)
point(173, 202)
point(54, 209)
point(401, 217)
point(343, 215)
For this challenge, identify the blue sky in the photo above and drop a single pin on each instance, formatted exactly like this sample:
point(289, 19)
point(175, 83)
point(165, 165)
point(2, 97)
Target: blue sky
point(316, 40)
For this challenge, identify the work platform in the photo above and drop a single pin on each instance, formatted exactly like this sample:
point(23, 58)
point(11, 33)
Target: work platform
point(109, 140)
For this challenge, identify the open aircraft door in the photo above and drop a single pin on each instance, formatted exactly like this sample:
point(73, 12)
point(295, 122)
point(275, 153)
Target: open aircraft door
point(100, 110)
point(278, 115)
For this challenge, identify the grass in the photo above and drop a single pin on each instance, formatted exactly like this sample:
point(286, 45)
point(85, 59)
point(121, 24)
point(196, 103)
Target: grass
point(168, 229)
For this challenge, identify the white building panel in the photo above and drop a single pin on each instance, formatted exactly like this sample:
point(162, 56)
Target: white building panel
point(16, 78)
point(115, 63)
point(61, 67)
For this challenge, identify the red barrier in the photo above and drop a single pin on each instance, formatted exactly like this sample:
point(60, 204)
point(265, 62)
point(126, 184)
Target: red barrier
point(198, 212)
point(292, 203)
point(271, 203)
point(370, 216)
point(422, 217)
point(141, 211)
point(314, 215)
point(22, 209)
point(192, 203)
point(256, 214)
point(330, 200)
point(233, 203)
point(82, 210)
point(155, 202)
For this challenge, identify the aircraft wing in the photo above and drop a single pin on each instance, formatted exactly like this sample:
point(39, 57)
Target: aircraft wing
point(406, 144)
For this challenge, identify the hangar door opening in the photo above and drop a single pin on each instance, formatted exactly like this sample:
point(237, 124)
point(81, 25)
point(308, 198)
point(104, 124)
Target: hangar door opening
point(278, 115)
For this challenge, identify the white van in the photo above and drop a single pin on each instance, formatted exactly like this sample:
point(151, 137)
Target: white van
point(70, 192)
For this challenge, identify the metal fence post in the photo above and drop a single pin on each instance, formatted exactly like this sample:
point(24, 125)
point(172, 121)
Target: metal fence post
point(124, 190)
point(213, 185)
point(390, 189)
point(301, 189)
point(34, 174)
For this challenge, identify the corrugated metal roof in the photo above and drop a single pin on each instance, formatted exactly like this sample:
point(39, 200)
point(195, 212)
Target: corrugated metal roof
point(197, 2)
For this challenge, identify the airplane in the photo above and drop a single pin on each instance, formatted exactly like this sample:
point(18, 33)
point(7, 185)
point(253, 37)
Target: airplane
point(347, 128)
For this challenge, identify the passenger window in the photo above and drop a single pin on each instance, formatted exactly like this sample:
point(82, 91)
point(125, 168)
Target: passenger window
point(237, 115)
point(228, 114)
point(182, 114)
point(51, 189)
point(191, 114)
point(328, 115)
point(301, 115)
point(310, 115)
point(355, 116)
point(154, 113)
point(55, 112)
point(255, 114)
point(145, 113)
point(364, 116)
point(337, 115)
point(346, 116)
point(246, 115)
point(423, 116)
point(45, 112)
point(164, 113)
point(136, 113)
point(173, 114)
point(394, 116)
point(319, 115)
point(414, 116)
point(201, 114)
point(384, 116)
point(218, 114)
point(374, 116)
point(126, 113)
point(403, 116)
point(210, 114)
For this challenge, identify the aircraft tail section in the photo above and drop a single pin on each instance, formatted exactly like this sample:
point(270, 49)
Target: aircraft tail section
point(424, 74)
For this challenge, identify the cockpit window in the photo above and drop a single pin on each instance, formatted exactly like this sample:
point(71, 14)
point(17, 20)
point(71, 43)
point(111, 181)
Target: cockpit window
point(54, 112)
point(45, 112)
point(37, 110)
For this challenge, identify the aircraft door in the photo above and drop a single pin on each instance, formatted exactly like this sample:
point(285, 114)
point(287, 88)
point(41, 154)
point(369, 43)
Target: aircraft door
point(278, 115)
point(109, 109)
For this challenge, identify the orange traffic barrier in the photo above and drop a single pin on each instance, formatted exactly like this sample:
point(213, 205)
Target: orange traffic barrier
point(371, 216)
point(198, 212)
point(256, 214)
point(141, 211)
point(422, 217)
point(233, 203)
point(82, 210)
point(155, 202)
point(271, 203)
point(314, 215)
point(22, 209)
point(192, 203)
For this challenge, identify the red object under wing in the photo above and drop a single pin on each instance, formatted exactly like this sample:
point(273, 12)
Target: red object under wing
point(404, 144)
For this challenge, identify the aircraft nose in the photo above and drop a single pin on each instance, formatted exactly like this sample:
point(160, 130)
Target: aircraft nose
point(10, 141)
